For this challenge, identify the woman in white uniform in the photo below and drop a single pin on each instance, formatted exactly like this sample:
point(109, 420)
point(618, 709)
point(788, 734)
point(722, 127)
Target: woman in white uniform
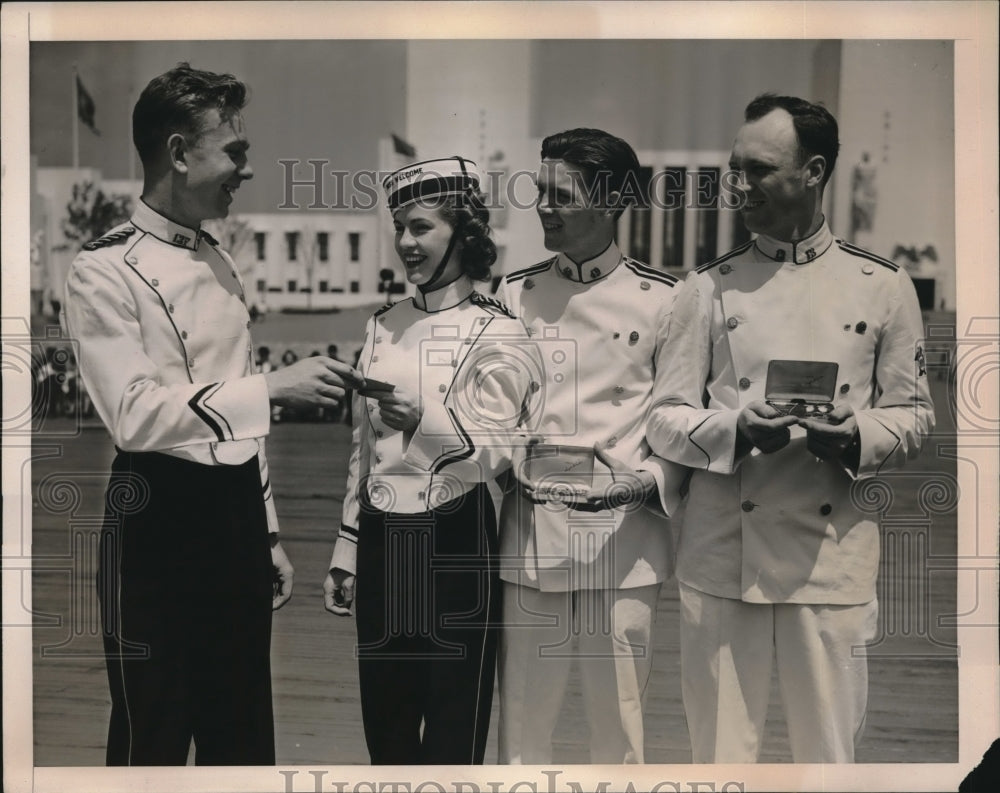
point(447, 373)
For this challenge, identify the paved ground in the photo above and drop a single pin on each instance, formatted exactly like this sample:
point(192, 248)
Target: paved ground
point(913, 716)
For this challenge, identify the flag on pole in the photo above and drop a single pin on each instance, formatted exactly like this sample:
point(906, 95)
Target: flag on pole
point(85, 106)
point(402, 147)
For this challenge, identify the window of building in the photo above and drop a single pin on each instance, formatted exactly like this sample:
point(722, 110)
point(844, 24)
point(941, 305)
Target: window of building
point(706, 201)
point(674, 199)
point(640, 229)
point(260, 240)
point(354, 240)
point(355, 287)
point(292, 285)
point(687, 220)
point(261, 285)
point(324, 286)
point(323, 245)
point(292, 240)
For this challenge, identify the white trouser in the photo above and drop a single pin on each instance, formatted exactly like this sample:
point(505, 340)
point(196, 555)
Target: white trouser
point(727, 651)
point(610, 633)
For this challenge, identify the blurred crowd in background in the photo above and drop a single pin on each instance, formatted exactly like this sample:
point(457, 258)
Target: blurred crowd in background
point(58, 391)
point(265, 363)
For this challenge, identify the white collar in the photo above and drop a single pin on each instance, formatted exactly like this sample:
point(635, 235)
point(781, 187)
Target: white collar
point(448, 296)
point(800, 251)
point(147, 219)
point(592, 269)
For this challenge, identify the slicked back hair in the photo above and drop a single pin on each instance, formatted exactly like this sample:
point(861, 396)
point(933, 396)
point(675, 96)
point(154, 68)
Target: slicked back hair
point(815, 126)
point(609, 162)
point(176, 101)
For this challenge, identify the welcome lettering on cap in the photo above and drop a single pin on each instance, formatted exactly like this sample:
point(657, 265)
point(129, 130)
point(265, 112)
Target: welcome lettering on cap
point(430, 179)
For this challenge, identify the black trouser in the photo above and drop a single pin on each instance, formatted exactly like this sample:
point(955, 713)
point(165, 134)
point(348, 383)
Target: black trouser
point(428, 603)
point(185, 583)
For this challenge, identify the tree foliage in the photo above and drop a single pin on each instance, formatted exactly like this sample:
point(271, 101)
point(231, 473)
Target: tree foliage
point(90, 213)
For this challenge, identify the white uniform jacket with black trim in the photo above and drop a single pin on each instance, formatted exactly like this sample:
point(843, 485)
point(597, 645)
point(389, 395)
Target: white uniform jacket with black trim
point(472, 363)
point(787, 527)
point(599, 327)
point(157, 310)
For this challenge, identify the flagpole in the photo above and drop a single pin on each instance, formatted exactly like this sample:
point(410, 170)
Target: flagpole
point(128, 137)
point(76, 123)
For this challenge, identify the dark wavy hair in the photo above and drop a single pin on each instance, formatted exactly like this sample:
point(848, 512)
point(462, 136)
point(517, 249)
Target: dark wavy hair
point(470, 219)
point(610, 163)
point(176, 102)
point(815, 126)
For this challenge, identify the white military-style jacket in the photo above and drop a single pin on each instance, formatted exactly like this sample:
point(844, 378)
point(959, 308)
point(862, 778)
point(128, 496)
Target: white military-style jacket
point(473, 365)
point(158, 312)
point(787, 527)
point(599, 326)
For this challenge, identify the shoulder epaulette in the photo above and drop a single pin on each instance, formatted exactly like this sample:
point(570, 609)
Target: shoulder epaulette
point(645, 271)
point(384, 308)
point(110, 239)
point(535, 269)
point(854, 250)
point(491, 303)
point(734, 252)
point(209, 238)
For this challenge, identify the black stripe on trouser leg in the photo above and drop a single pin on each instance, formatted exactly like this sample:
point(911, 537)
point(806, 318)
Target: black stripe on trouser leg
point(185, 584)
point(427, 618)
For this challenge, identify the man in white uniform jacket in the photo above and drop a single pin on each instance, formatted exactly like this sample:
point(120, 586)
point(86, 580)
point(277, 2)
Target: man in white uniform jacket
point(187, 580)
point(777, 558)
point(581, 578)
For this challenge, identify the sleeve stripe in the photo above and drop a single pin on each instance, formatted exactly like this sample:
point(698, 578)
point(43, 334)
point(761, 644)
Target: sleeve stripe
point(888, 455)
point(459, 454)
point(217, 414)
point(195, 404)
point(708, 457)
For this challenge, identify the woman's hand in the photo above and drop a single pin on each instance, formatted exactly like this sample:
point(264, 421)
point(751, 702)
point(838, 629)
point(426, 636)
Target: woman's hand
point(338, 592)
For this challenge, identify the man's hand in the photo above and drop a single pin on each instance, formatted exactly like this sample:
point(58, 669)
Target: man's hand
point(764, 427)
point(621, 487)
point(283, 575)
point(311, 382)
point(400, 409)
point(338, 592)
point(829, 439)
point(520, 466)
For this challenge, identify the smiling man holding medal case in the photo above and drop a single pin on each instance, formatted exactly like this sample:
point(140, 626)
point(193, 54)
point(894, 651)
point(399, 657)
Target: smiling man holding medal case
point(776, 560)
